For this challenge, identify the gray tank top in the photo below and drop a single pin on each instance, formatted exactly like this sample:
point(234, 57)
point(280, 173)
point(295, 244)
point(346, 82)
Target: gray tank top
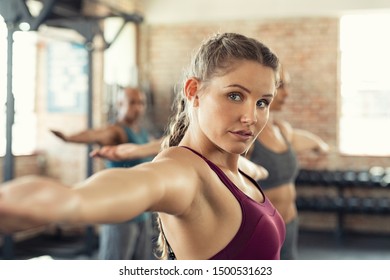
point(282, 167)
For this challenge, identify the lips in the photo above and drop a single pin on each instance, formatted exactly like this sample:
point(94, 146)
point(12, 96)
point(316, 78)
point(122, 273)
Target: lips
point(243, 134)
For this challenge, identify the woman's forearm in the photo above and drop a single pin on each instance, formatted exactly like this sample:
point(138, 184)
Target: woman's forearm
point(133, 151)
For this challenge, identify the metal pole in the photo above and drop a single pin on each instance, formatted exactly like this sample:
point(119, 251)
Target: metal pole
point(10, 109)
point(89, 231)
point(89, 47)
point(10, 112)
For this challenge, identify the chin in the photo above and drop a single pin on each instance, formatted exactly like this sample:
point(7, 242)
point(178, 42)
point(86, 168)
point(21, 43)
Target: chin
point(238, 149)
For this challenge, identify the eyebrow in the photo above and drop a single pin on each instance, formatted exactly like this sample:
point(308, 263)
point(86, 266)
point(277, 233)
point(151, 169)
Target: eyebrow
point(247, 90)
point(239, 86)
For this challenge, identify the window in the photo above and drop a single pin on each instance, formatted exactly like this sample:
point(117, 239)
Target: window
point(365, 85)
point(24, 76)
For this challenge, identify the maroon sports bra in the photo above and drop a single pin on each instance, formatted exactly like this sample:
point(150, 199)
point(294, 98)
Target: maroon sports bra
point(262, 230)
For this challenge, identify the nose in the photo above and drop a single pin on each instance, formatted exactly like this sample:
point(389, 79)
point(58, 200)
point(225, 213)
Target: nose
point(283, 91)
point(139, 106)
point(249, 117)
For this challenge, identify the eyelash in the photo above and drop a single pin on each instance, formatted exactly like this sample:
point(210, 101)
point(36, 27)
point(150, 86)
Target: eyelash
point(234, 94)
point(263, 101)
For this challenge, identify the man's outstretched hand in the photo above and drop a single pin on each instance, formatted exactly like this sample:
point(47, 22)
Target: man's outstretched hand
point(59, 134)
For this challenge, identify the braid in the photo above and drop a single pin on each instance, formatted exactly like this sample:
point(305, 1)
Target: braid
point(162, 246)
point(178, 125)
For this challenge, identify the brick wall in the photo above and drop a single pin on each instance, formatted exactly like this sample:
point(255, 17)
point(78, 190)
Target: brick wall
point(308, 47)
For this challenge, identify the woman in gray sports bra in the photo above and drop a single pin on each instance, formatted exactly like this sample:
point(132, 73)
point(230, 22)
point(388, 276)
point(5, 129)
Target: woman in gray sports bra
point(275, 149)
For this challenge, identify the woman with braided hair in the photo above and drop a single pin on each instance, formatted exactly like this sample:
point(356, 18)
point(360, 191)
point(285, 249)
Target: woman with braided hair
point(205, 193)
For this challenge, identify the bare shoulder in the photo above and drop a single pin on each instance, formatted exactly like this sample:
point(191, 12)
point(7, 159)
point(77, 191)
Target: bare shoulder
point(284, 124)
point(185, 164)
point(286, 129)
point(176, 152)
point(117, 133)
point(181, 159)
point(116, 127)
point(182, 177)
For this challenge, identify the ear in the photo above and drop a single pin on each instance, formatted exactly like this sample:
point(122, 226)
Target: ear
point(191, 90)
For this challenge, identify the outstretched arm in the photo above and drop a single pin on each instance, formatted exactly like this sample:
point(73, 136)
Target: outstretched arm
point(303, 140)
point(109, 196)
point(257, 172)
point(32, 201)
point(128, 151)
point(104, 136)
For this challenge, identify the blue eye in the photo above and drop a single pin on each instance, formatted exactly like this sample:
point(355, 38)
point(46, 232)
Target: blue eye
point(235, 96)
point(262, 103)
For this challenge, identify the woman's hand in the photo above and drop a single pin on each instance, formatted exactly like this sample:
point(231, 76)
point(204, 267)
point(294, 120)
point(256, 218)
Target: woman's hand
point(127, 151)
point(257, 172)
point(107, 152)
point(117, 153)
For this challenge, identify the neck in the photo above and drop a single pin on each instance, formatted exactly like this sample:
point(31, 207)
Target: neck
point(221, 158)
point(271, 121)
point(133, 125)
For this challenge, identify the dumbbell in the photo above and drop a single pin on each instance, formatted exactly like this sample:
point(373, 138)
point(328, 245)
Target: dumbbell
point(363, 178)
point(352, 204)
point(349, 178)
point(369, 205)
point(385, 181)
point(376, 175)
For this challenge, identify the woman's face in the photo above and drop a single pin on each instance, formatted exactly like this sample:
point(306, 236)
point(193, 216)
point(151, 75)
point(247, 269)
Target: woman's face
point(233, 108)
point(282, 92)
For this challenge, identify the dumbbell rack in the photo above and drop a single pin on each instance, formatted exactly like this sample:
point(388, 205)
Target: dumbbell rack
point(341, 185)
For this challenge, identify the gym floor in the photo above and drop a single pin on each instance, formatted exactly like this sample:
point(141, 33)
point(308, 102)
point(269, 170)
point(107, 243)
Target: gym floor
point(312, 246)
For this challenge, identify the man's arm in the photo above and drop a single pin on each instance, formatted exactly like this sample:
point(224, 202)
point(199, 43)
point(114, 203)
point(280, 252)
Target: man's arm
point(104, 136)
